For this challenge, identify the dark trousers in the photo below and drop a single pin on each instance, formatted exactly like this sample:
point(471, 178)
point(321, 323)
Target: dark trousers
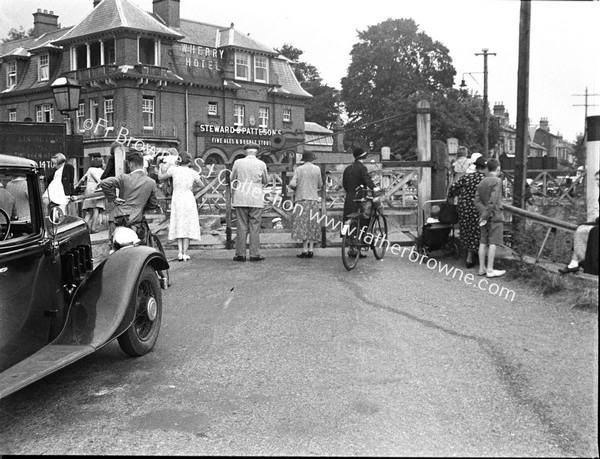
point(248, 222)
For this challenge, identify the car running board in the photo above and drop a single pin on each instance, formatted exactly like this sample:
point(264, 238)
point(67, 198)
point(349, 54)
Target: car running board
point(45, 361)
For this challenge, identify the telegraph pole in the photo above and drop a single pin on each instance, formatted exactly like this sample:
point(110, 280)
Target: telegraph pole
point(521, 151)
point(486, 123)
point(586, 105)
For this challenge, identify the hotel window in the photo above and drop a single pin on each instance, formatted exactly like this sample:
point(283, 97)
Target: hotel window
point(238, 115)
point(242, 66)
point(109, 111)
point(94, 110)
point(80, 116)
point(44, 113)
point(287, 115)
point(11, 74)
point(44, 67)
point(213, 109)
point(148, 112)
point(263, 117)
point(261, 69)
point(12, 114)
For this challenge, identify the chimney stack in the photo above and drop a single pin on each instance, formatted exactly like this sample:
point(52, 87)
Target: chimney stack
point(168, 11)
point(44, 22)
point(499, 109)
point(544, 124)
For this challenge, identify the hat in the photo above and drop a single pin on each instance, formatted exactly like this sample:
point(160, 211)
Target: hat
point(359, 153)
point(474, 157)
point(480, 162)
point(308, 156)
point(251, 146)
point(186, 158)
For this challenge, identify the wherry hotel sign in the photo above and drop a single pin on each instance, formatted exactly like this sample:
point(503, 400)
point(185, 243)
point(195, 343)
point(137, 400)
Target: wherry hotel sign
point(202, 57)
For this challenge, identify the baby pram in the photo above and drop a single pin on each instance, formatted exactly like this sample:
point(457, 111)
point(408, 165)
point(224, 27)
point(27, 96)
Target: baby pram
point(436, 236)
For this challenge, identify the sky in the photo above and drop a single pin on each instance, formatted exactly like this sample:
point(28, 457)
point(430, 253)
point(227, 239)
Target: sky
point(563, 46)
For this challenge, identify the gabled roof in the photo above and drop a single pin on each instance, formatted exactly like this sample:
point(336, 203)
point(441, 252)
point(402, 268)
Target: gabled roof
point(21, 47)
point(235, 39)
point(117, 14)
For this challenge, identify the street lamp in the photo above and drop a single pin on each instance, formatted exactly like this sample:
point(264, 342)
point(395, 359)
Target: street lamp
point(66, 95)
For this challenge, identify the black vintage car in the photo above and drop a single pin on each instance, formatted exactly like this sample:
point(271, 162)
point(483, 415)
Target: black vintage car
point(55, 307)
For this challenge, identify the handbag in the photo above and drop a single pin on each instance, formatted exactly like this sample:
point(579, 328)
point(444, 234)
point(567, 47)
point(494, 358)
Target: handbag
point(448, 213)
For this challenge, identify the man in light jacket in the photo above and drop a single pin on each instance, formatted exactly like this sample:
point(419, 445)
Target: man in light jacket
point(248, 176)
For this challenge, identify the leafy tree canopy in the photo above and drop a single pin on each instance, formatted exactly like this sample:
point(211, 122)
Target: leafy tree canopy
point(17, 34)
point(322, 109)
point(393, 66)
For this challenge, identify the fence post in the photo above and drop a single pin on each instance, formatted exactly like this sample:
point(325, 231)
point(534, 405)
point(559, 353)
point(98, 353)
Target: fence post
point(424, 154)
point(324, 206)
point(439, 183)
point(228, 238)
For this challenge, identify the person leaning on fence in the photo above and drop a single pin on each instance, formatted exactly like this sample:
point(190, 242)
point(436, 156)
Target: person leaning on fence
point(354, 175)
point(248, 175)
point(184, 224)
point(307, 182)
point(488, 201)
point(585, 247)
point(461, 164)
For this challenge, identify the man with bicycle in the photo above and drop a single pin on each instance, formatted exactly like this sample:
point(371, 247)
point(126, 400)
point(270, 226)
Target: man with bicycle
point(354, 176)
point(137, 193)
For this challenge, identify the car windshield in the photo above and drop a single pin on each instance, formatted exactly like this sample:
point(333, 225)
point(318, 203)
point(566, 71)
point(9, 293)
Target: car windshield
point(16, 202)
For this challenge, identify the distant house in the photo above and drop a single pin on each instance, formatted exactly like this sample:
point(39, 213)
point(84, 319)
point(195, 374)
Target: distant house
point(326, 144)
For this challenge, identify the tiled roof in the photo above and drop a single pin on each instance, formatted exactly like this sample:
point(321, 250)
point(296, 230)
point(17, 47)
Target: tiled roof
point(117, 14)
point(199, 33)
point(12, 47)
point(239, 40)
point(287, 79)
point(309, 126)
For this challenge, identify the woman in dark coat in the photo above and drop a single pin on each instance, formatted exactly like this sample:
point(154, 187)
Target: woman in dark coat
point(468, 217)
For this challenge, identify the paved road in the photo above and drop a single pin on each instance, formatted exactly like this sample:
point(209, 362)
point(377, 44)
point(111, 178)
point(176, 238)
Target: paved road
point(297, 357)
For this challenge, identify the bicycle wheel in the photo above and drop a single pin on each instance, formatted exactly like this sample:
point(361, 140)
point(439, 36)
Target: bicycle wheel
point(379, 230)
point(154, 241)
point(350, 249)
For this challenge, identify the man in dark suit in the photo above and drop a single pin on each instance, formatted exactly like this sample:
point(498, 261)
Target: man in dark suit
point(59, 182)
point(355, 174)
point(137, 192)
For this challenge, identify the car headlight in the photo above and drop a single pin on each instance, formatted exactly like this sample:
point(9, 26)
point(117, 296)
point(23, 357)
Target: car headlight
point(124, 237)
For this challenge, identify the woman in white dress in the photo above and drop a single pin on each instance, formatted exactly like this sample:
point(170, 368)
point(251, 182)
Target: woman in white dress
point(184, 224)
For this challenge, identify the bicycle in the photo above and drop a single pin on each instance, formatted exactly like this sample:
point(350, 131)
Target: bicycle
point(353, 235)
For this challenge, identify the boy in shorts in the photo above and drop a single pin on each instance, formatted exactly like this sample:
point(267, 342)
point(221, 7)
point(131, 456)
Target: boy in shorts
point(488, 201)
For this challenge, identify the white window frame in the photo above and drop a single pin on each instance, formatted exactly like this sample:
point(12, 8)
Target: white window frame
point(40, 113)
point(44, 67)
point(287, 115)
point(242, 61)
point(213, 109)
point(257, 67)
point(94, 110)
point(109, 111)
point(263, 117)
point(12, 114)
point(80, 115)
point(148, 108)
point(11, 74)
point(238, 115)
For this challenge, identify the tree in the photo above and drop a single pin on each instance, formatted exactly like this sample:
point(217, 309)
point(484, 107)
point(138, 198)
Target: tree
point(17, 34)
point(393, 66)
point(322, 109)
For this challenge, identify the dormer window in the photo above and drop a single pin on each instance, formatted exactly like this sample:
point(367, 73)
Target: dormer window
point(11, 74)
point(44, 67)
point(242, 66)
point(261, 69)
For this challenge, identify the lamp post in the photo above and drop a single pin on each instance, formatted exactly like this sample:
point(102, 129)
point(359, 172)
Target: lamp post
point(66, 95)
point(486, 126)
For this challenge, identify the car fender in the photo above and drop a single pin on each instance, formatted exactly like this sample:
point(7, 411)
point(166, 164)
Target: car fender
point(102, 306)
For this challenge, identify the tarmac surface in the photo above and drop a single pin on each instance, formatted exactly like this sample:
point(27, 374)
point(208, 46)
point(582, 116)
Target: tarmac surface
point(301, 357)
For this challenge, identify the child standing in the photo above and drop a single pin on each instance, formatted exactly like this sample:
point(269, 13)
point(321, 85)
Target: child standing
point(488, 201)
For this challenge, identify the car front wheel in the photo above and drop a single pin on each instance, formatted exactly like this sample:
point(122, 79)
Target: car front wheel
point(141, 336)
